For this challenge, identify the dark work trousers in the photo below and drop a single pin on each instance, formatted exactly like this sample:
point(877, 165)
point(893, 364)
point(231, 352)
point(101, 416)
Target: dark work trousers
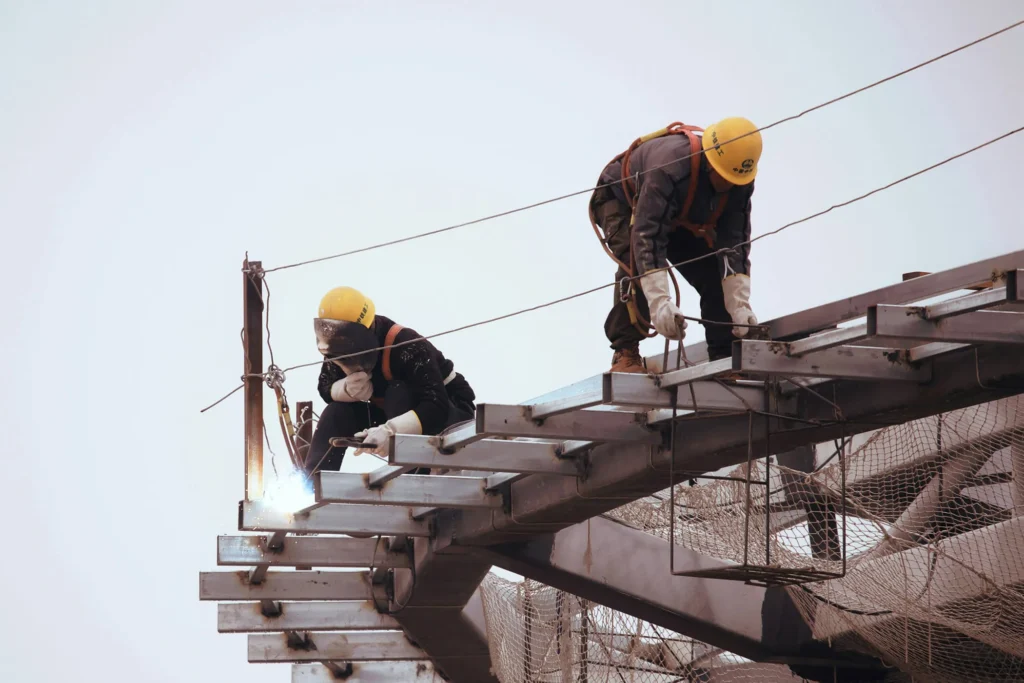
point(612, 216)
point(348, 419)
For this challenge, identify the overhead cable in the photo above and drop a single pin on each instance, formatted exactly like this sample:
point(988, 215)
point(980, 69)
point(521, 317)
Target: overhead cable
point(559, 198)
point(710, 254)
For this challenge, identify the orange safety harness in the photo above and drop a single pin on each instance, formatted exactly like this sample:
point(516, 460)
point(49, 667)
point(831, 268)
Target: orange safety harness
point(705, 231)
point(385, 365)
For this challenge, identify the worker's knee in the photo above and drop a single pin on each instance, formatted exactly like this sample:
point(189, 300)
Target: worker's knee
point(340, 419)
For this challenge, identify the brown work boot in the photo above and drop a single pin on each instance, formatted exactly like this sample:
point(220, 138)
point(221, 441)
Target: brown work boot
point(628, 360)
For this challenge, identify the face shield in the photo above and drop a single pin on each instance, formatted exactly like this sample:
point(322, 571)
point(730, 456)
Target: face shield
point(355, 343)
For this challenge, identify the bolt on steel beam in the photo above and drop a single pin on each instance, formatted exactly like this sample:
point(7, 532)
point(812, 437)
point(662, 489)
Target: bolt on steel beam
point(235, 586)
point(349, 647)
point(848, 362)
point(309, 551)
point(488, 455)
point(248, 617)
point(982, 327)
point(353, 520)
point(410, 490)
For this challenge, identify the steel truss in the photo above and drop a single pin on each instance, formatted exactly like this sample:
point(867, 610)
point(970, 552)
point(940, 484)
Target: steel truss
point(518, 477)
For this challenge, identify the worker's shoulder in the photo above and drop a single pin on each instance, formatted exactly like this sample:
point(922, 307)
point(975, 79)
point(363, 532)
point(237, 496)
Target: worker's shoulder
point(407, 336)
point(667, 153)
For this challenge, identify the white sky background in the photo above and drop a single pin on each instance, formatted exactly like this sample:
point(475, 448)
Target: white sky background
point(144, 147)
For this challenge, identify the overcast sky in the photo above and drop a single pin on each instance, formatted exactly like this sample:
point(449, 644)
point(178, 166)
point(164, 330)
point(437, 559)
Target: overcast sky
point(145, 146)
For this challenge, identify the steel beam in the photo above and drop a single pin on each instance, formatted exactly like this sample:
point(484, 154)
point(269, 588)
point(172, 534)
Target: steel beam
point(709, 370)
point(643, 390)
point(496, 481)
point(602, 426)
point(368, 672)
point(383, 475)
point(248, 617)
point(440, 608)
point(983, 327)
point(460, 437)
point(581, 395)
point(354, 520)
point(309, 551)
point(926, 351)
point(917, 289)
point(615, 565)
point(409, 490)
point(489, 455)
point(349, 647)
point(827, 340)
point(285, 586)
point(848, 362)
point(966, 304)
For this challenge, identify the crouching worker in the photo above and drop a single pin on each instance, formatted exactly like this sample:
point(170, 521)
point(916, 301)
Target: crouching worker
point(379, 379)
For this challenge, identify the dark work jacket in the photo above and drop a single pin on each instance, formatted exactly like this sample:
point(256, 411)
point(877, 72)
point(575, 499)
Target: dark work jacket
point(660, 195)
point(422, 367)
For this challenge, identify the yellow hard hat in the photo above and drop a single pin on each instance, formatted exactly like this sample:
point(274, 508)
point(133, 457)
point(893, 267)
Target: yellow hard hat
point(347, 305)
point(735, 161)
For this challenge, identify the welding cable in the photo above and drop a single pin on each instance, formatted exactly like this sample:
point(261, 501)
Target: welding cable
point(569, 195)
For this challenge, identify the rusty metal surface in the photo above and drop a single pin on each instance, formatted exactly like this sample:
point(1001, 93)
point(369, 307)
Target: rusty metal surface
point(252, 341)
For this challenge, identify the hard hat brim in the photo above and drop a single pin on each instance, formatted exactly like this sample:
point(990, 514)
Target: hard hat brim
point(727, 173)
point(355, 342)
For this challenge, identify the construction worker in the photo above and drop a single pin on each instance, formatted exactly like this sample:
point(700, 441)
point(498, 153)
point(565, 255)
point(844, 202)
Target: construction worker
point(656, 204)
point(378, 379)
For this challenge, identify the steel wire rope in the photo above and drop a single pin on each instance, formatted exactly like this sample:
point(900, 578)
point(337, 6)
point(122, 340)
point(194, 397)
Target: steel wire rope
point(680, 264)
point(569, 195)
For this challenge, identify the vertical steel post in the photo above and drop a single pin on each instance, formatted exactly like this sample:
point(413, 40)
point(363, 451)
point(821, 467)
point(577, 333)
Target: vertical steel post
point(252, 341)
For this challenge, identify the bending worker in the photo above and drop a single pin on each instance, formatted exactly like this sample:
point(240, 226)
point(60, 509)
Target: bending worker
point(388, 381)
point(656, 206)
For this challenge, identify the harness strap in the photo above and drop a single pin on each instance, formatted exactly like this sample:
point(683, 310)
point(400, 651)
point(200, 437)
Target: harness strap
point(389, 340)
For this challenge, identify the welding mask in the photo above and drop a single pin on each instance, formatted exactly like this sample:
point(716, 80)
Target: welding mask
point(351, 346)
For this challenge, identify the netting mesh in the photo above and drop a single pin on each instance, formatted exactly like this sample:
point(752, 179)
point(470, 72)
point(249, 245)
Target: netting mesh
point(538, 634)
point(933, 534)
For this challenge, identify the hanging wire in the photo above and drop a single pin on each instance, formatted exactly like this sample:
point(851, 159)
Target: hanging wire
point(569, 195)
point(592, 290)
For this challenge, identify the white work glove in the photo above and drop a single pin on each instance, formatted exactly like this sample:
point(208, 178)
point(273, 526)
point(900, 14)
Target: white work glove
point(377, 440)
point(737, 301)
point(665, 315)
point(352, 389)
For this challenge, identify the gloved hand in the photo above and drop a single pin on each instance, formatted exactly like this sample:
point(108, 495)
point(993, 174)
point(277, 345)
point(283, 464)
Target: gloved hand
point(737, 301)
point(665, 315)
point(377, 440)
point(354, 388)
